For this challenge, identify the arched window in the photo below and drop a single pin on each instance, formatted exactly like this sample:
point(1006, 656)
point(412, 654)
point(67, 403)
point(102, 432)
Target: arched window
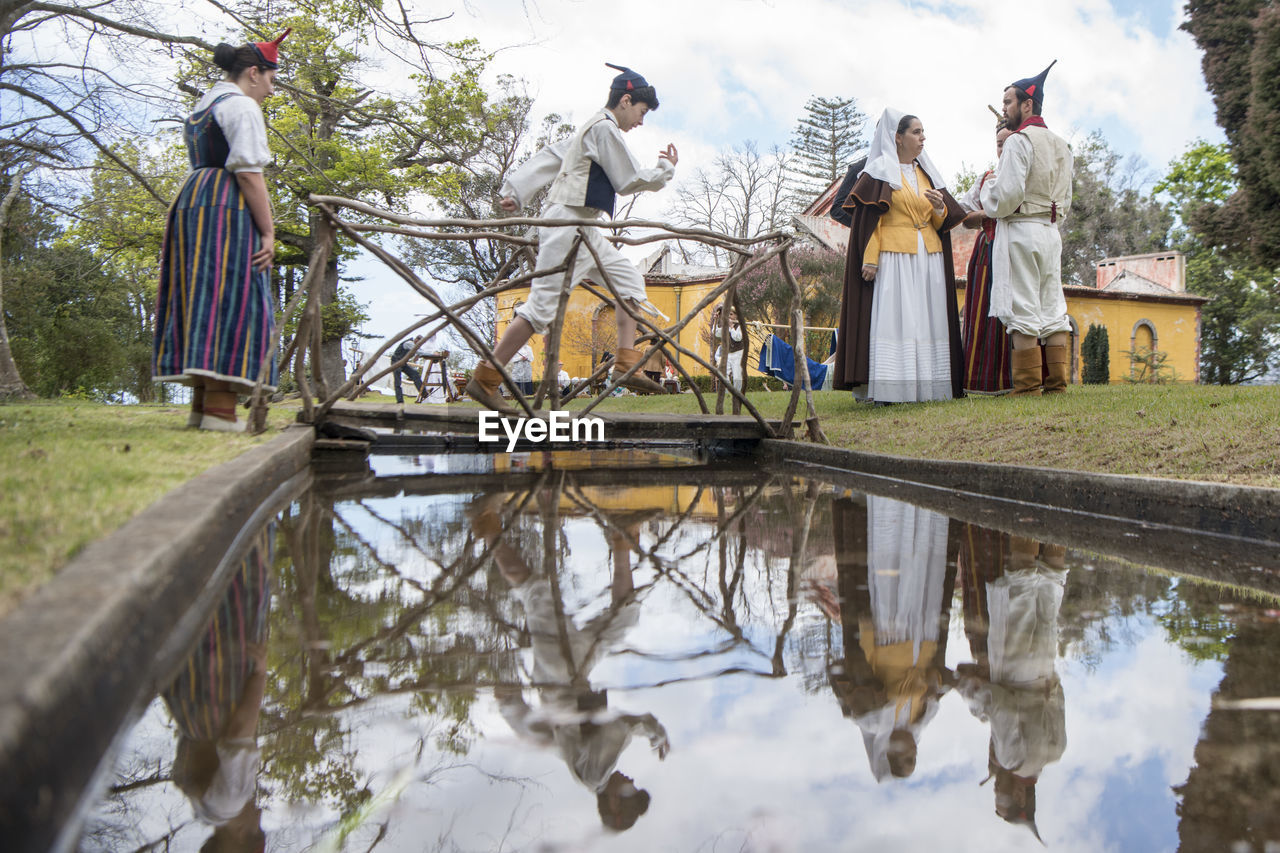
point(1143, 337)
point(1143, 343)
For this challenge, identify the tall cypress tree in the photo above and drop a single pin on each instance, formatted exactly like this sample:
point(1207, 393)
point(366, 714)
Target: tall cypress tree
point(1096, 352)
point(825, 140)
point(1241, 44)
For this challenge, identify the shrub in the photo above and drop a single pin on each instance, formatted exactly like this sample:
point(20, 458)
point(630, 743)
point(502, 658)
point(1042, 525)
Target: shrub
point(1096, 353)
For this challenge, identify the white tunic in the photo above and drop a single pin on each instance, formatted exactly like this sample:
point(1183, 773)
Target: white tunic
point(602, 144)
point(1026, 254)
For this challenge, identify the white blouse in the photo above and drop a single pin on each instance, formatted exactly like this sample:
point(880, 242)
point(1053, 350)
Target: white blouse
point(242, 124)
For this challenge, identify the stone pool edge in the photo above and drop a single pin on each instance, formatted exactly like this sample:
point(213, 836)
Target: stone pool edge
point(88, 638)
point(1249, 512)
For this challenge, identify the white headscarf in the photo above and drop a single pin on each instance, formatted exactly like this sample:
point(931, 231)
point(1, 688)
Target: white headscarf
point(883, 163)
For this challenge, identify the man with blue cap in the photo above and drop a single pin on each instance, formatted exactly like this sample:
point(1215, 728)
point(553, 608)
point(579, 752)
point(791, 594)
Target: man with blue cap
point(1029, 198)
point(587, 172)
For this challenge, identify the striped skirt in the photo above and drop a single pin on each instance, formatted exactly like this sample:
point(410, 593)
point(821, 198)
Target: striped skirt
point(987, 366)
point(214, 312)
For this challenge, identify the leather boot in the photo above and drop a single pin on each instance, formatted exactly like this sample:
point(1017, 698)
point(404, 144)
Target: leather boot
point(1057, 365)
point(1026, 372)
point(1022, 553)
point(483, 388)
point(640, 383)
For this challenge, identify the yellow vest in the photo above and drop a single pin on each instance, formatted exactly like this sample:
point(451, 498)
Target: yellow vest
point(909, 214)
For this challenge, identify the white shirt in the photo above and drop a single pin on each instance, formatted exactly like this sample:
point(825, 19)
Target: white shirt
point(602, 144)
point(241, 121)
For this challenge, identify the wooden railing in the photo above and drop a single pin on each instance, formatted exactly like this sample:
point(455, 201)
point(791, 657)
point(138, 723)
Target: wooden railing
point(749, 253)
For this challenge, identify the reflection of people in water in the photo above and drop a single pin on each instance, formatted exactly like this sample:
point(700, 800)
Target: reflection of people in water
point(215, 700)
point(894, 603)
point(1013, 684)
point(572, 717)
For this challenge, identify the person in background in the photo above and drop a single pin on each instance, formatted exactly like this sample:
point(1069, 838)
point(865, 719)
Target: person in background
point(407, 348)
point(215, 312)
point(562, 379)
point(522, 369)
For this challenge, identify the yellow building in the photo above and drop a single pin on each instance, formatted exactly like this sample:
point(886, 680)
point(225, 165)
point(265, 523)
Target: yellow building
point(589, 333)
point(1141, 300)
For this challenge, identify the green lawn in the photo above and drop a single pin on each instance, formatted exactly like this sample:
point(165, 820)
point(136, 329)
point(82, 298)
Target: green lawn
point(74, 471)
point(1222, 434)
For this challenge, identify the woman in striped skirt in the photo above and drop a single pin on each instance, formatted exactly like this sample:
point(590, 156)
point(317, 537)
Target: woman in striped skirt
point(214, 309)
point(986, 346)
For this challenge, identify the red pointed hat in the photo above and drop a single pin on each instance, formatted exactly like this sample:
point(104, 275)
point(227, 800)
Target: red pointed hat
point(269, 51)
point(1034, 86)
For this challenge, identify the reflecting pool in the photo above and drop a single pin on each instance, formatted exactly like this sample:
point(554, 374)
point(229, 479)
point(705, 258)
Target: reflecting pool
point(629, 652)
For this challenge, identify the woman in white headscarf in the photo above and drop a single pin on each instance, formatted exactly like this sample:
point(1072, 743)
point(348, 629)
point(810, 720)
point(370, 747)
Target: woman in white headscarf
point(899, 324)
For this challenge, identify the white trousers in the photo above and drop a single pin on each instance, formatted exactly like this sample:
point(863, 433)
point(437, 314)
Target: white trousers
point(1026, 278)
point(553, 248)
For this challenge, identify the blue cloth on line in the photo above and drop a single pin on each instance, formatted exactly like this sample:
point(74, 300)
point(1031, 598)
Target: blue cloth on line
point(778, 358)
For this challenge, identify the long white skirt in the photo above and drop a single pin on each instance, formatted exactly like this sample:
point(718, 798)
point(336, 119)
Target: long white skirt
point(910, 347)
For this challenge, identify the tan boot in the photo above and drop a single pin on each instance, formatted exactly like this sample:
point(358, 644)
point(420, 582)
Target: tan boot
point(483, 388)
point(1026, 372)
point(625, 360)
point(1057, 362)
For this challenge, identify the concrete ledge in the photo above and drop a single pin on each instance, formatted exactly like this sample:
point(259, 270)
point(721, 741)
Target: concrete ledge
point(80, 654)
point(1244, 512)
point(1220, 533)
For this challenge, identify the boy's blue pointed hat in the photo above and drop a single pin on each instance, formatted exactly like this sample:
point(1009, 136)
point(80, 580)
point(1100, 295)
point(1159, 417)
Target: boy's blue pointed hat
point(627, 81)
point(1034, 86)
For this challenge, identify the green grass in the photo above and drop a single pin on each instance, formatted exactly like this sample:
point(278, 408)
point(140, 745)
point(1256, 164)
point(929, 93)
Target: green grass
point(74, 471)
point(1192, 432)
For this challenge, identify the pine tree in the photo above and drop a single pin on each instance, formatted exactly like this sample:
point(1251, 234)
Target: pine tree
point(825, 140)
point(1096, 351)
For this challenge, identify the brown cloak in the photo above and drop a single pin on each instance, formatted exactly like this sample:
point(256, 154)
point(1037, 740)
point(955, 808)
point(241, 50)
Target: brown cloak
point(868, 201)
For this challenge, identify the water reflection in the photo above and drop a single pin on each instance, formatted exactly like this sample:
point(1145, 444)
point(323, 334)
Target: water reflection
point(571, 717)
point(573, 657)
point(895, 583)
point(1012, 684)
point(215, 701)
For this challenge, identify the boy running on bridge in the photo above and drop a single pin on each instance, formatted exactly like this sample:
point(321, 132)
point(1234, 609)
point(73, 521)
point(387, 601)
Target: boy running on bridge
point(587, 172)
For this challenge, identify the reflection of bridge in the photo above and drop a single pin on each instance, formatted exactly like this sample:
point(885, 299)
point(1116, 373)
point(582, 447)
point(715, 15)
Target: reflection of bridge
point(355, 221)
point(618, 426)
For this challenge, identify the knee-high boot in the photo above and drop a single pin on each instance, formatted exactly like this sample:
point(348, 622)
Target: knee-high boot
point(1057, 364)
point(1026, 372)
point(640, 383)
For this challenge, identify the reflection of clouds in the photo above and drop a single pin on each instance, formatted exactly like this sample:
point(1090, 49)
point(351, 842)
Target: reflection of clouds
point(761, 763)
point(756, 763)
